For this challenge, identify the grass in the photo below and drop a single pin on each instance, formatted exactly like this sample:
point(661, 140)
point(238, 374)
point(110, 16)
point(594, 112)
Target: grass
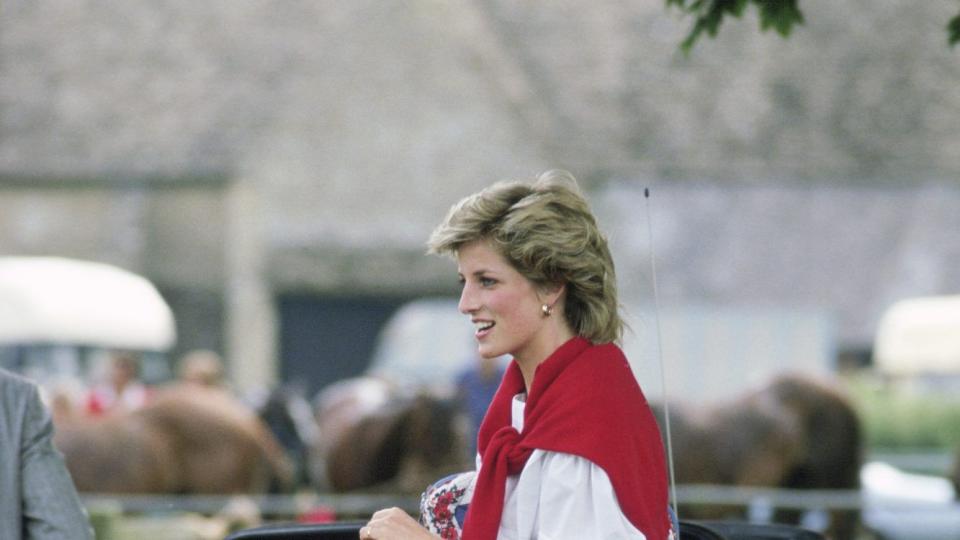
point(906, 417)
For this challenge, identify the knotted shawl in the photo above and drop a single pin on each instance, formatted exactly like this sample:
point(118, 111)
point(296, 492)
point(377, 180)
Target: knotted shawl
point(584, 401)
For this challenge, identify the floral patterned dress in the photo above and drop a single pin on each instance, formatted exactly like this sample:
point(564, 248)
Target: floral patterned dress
point(443, 506)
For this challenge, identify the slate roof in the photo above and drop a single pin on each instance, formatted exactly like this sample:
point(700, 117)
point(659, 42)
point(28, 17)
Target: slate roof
point(848, 251)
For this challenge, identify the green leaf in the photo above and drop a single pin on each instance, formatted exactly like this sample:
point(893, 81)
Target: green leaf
point(953, 31)
point(780, 15)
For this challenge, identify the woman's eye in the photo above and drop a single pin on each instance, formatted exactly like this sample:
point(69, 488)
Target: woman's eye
point(487, 282)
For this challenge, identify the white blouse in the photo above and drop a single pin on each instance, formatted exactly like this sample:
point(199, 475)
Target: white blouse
point(577, 498)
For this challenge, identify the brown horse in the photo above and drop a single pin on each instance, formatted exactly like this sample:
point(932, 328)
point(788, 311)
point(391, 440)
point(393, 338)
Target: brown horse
point(187, 440)
point(378, 437)
point(794, 433)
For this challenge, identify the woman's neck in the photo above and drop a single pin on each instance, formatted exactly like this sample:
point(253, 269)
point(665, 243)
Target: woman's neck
point(528, 361)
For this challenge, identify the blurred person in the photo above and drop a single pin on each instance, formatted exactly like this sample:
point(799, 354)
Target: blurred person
point(476, 387)
point(122, 391)
point(38, 500)
point(569, 448)
point(65, 400)
point(202, 367)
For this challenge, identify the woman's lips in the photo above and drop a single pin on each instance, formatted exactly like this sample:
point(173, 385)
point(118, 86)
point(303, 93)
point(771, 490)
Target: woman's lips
point(483, 328)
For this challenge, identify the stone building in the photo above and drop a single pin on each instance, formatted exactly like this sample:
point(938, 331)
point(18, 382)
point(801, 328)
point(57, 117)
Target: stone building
point(275, 166)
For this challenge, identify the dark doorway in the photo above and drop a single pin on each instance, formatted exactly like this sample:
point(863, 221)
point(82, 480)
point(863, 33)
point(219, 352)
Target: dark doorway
point(327, 338)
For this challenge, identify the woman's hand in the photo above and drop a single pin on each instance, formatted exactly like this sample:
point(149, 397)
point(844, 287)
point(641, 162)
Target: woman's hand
point(394, 524)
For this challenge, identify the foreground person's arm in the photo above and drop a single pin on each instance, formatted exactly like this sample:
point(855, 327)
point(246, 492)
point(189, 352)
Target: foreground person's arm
point(51, 508)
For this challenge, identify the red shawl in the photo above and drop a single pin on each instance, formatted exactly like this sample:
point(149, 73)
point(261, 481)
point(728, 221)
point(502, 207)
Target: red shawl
point(584, 401)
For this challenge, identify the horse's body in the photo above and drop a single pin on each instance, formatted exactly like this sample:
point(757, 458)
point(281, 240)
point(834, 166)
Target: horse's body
point(794, 433)
point(376, 436)
point(186, 440)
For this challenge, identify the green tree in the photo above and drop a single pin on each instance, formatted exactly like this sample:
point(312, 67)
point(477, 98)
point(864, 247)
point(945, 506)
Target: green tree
point(781, 15)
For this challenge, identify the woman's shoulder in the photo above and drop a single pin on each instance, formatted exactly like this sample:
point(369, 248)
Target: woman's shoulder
point(600, 351)
point(606, 350)
point(602, 375)
point(600, 359)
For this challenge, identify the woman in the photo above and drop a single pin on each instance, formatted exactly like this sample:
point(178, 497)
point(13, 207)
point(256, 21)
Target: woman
point(569, 447)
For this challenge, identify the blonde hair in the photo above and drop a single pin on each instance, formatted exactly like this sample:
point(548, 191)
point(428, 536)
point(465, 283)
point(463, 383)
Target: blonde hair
point(546, 231)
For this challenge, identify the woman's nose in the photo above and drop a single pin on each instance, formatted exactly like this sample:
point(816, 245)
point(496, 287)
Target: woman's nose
point(468, 301)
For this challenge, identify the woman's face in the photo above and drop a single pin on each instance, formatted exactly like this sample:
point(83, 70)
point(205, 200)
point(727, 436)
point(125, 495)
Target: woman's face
point(503, 305)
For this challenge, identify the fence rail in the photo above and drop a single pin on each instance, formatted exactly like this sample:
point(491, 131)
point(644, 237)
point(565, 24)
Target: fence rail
point(361, 505)
point(791, 499)
point(343, 506)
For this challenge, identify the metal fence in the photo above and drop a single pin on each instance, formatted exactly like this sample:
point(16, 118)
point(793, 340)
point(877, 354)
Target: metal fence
point(364, 504)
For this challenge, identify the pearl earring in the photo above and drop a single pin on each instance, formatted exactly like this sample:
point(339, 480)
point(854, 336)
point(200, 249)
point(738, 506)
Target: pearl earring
point(546, 310)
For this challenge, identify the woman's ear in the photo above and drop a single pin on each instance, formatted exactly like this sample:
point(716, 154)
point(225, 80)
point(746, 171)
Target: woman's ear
point(551, 293)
